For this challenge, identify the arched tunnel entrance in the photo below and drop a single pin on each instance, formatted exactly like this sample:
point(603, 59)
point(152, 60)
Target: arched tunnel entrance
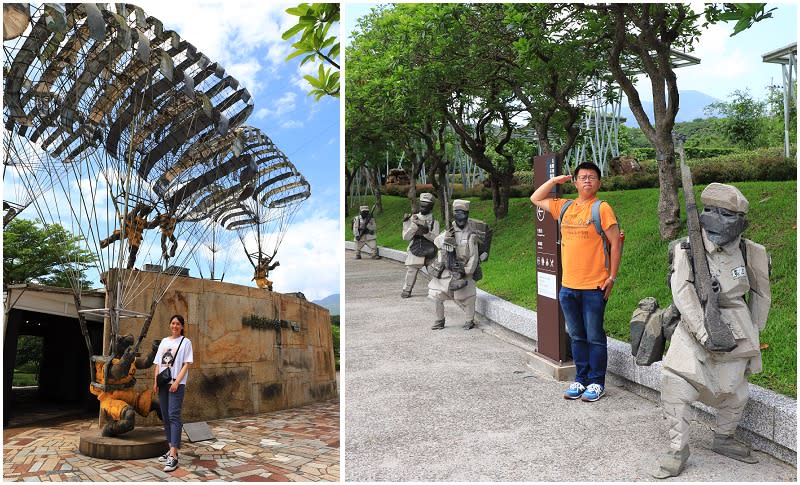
point(56, 388)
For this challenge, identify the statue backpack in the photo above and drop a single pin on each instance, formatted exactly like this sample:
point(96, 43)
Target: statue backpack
point(483, 234)
point(420, 246)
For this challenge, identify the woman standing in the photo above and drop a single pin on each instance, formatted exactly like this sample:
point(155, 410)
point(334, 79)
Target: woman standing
point(174, 353)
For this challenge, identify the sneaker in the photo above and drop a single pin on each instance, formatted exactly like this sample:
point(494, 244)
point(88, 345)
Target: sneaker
point(163, 458)
point(593, 393)
point(575, 390)
point(172, 464)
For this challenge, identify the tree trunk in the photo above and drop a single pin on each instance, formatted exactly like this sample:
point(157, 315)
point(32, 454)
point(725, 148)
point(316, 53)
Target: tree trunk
point(501, 188)
point(654, 52)
point(348, 182)
point(374, 183)
point(669, 207)
point(412, 189)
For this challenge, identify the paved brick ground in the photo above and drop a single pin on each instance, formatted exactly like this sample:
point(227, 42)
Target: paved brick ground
point(300, 444)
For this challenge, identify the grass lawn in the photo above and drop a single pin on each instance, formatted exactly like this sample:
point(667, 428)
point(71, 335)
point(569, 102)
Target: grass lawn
point(510, 271)
point(23, 379)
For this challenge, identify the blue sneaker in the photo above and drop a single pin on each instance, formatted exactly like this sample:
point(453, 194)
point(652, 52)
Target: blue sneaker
point(575, 390)
point(593, 393)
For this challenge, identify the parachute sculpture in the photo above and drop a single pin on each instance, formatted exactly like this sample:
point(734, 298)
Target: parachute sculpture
point(130, 138)
point(270, 192)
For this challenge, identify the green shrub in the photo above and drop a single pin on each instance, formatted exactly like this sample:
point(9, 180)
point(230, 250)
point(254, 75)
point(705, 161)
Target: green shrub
point(637, 180)
point(762, 164)
point(525, 177)
point(642, 153)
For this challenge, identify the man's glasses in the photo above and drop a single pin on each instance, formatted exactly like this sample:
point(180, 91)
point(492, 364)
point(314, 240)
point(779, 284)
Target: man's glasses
point(584, 178)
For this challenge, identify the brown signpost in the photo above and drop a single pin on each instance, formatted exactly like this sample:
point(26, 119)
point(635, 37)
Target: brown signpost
point(553, 341)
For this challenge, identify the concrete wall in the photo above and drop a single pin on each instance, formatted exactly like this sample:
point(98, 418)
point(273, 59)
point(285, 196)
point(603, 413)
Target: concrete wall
point(237, 369)
point(769, 421)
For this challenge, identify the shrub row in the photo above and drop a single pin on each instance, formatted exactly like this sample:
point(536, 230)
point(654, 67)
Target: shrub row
point(763, 164)
point(643, 153)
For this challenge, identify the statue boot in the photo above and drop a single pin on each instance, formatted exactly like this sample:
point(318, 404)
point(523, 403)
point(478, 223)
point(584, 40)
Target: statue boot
point(729, 446)
point(358, 254)
point(123, 425)
point(375, 256)
point(671, 463)
point(469, 325)
point(405, 294)
point(438, 325)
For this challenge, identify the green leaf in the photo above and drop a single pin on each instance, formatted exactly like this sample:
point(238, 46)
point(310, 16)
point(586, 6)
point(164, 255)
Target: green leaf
point(298, 11)
point(314, 82)
point(334, 52)
point(309, 58)
point(292, 32)
point(294, 54)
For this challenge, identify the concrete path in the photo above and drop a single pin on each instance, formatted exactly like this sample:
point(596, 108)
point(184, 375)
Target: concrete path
point(456, 405)
point(297, 445)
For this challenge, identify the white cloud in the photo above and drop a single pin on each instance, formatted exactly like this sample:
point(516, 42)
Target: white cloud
point(309, 254)
point(285, 104)
point(292, 124)
point(248, 75)
point(230, 32)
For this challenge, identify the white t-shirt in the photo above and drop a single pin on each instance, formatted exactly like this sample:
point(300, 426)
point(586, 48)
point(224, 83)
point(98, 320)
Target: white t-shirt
point(165, 356)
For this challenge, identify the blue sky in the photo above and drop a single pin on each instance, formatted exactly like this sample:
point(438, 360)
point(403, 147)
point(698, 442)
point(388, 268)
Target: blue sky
point(727, 63)
point(245, 38)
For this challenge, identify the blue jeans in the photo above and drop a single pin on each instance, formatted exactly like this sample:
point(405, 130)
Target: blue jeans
point(583, 312)
point(171, 404)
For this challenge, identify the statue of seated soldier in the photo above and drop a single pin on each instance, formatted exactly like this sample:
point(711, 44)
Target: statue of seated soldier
point(113, 384)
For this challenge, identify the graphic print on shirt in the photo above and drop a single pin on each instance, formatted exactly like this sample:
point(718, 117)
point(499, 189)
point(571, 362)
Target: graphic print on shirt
point(167, 359)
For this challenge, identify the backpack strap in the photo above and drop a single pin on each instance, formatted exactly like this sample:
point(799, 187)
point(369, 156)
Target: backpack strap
point(560, 217)
point(599, 228)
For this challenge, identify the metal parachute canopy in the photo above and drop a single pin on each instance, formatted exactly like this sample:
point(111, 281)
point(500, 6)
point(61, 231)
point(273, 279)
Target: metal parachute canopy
point(126, 135)
point(270, 191)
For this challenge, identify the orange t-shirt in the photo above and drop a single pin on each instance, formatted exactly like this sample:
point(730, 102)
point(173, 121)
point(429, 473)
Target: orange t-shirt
point(582, 257)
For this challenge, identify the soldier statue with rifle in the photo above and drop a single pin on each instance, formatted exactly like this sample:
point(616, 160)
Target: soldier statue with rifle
point(720, 286)
point(420, 229)
point(364, 229)
point(457, 266)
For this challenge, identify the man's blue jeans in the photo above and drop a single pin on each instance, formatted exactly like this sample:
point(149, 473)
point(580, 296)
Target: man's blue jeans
point(171, 405)
point(583, 312)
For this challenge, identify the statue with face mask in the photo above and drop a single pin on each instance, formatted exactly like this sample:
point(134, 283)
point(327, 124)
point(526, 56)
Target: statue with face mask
point(691, 372)
point(452, 272)
point(420, 229)
point(364, 232)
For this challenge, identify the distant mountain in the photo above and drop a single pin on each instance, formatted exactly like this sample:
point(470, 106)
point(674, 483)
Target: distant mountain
point(691, 108)
point(330, 302)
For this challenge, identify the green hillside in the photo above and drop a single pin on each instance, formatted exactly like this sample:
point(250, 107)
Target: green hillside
point(510, 272)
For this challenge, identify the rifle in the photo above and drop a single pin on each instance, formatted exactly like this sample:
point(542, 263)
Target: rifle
point(720, 337)
point(363, 229)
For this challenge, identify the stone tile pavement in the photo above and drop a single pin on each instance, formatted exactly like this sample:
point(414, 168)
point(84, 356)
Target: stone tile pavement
point(300, 444)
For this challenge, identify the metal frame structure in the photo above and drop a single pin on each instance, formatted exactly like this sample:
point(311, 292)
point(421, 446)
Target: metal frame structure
point(787, 58)
point(103, 96)
point(603, 121)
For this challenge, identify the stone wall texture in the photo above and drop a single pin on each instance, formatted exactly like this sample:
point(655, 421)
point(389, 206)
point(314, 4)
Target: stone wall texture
point(238, 369)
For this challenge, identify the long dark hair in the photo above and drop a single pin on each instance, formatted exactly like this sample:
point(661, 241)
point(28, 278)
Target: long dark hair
point(180, 319)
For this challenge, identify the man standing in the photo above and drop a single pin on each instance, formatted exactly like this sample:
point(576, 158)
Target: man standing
point(364, 228)
point(421, 229)
point(691, 371)
point(586, 280)
point(452, 273)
